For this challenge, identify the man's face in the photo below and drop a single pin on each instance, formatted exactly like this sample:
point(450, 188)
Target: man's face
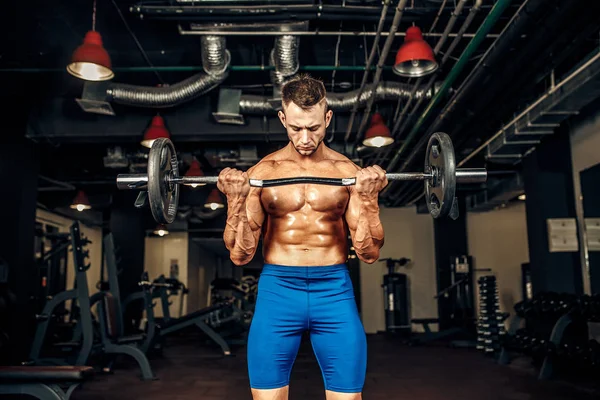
point(306, 128)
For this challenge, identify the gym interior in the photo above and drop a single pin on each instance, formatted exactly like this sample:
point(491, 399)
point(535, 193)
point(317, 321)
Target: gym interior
point(484, 288)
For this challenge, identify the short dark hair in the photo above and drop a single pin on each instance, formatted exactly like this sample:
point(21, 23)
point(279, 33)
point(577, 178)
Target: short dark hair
point(304, 90)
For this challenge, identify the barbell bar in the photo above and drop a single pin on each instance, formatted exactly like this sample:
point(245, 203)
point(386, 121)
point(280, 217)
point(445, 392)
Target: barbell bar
point(162, 179)
point(140, 181)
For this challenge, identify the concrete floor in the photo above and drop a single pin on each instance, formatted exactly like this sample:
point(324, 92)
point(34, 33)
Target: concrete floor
point(188, 370)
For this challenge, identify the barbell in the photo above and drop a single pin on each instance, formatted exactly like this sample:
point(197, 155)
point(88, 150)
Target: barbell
point(160, 185)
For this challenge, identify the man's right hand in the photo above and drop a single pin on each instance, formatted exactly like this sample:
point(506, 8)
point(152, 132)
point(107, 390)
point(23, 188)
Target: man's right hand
point(233, 183)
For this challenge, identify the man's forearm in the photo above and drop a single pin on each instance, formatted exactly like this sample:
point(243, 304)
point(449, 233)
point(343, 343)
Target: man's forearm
point(238, 236)
point(369, 235)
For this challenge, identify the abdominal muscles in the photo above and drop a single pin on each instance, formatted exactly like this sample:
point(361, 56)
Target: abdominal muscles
point(305, 225)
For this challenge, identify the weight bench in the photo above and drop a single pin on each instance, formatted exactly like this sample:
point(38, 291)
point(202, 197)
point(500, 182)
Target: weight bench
point(198, 319)
point(43, 382)
point(116, 344)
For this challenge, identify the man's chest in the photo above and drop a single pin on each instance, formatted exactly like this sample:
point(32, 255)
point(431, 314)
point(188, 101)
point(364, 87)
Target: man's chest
point(281, 200)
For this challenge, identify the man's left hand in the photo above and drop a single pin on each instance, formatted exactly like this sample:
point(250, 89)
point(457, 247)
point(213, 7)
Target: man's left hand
point(370, 181)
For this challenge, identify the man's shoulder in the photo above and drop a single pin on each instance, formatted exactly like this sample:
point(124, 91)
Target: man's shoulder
point(267, 163)
point(342, 162)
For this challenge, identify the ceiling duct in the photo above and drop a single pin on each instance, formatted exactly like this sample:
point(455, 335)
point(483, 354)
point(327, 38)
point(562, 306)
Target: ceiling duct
point(215, 61)
point(284, 57)
point(391, 91)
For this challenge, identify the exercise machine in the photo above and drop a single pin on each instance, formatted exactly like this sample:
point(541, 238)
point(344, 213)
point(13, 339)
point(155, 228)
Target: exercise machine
point(168, 325)
point(89, 338)
point(396, 297)
point(79, 297)
point(456, 308)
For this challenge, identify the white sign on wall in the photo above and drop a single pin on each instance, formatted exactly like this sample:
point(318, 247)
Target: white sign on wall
point(592, 230)
point(562, 235)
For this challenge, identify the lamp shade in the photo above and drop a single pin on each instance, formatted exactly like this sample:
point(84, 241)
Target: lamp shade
point(194, 170)
point(90, 61)
point(157, 129)
point(415, 57)
point(81, 202)
point(214, 200)
point(378, 134)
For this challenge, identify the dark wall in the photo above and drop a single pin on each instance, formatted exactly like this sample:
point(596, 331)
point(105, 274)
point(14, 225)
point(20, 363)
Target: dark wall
point(590, 190)
point(127, 225)
point(18, 173)
point(450, 238)
point(548, 178)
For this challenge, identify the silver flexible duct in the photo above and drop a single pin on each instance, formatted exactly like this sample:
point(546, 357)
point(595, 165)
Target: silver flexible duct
point(340, 101)
point(215, 61)
point(284, 57)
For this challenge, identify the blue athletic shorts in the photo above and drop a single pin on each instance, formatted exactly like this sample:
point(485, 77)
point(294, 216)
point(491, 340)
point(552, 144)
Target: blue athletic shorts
point(320, 300)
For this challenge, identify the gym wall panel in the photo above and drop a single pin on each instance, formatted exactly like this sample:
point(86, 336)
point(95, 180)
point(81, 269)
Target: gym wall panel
point(585, 142)
point(193, 299)
point(94, 234)
point(407, 234)
point(159, 254)
point(498, 240)
point(203, 263)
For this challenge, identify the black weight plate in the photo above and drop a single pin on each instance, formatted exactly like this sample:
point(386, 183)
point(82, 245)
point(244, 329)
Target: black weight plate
point(440, 160)
point(162, 195)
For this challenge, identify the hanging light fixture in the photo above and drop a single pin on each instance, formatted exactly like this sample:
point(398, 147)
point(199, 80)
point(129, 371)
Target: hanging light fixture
point(157, 129)
point(81, 202)
point(214, 200)
point(378, 134)
point(90, 61)
point(194, 170)
point(415, 57)
point(161, 230)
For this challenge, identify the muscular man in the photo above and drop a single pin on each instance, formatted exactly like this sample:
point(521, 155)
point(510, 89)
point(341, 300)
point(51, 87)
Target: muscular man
point(304, 285)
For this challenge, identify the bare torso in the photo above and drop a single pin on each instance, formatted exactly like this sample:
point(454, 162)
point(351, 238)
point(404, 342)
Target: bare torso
point(305, 224)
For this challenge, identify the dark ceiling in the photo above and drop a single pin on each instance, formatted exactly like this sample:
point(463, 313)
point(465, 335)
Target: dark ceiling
point(531, 42)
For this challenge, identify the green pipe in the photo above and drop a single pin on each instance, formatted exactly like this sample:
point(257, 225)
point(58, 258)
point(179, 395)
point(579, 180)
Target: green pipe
point(199, 68)
point(484, 29)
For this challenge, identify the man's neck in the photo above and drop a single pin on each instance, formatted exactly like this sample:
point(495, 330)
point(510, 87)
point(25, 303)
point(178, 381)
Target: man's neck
point(317, 156)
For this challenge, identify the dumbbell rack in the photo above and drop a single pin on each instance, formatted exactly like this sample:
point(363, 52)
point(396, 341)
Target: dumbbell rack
point(555, 334)
point(490, 324)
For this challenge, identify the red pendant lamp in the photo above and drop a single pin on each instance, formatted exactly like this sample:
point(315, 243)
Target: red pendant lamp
point(214, 200)
point(378, 134)
point(195, 170)
point(81, 202)
point(90, 61)
point(157, 129)
point(415, 57)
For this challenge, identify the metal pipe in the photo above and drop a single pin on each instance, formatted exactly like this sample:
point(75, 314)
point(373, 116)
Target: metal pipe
point(398, 129)
point(235, 68)
point(386, 49)
point(374, 48)
point(511, 31)
point(486, 26)
point(497, 50)
point(315, 33)
point(531, 107)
